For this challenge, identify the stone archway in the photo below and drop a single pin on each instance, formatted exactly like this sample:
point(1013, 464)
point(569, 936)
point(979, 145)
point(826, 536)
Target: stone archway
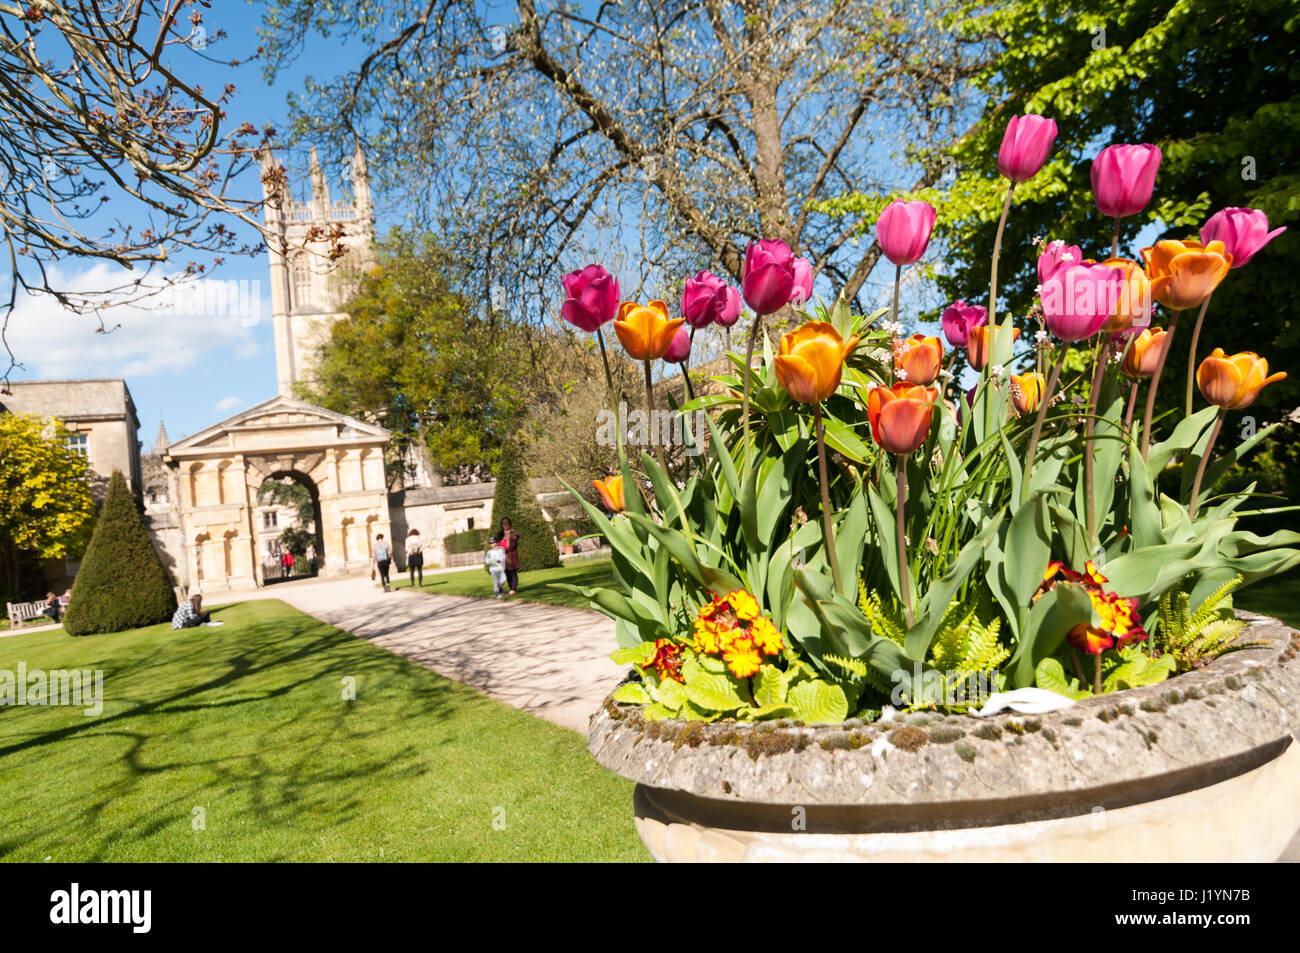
point(219, 471)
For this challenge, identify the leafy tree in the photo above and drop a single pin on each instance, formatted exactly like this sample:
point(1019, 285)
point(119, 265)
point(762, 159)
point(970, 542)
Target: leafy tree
point(46, 508)
point(515, 501)
point(122, 583)
point(547, 131)
point(291, 494)
point(296, 540)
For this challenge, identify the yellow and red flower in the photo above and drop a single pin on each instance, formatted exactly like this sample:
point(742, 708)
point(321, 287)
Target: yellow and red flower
point(733, 626)
point(667, 660)
point(1117, 623)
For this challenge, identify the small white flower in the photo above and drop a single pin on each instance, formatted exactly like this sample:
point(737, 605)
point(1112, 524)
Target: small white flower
point(1067, 256)
point(1041, 337)
point(901, 374)
point(996, 370)
point(1038, 290)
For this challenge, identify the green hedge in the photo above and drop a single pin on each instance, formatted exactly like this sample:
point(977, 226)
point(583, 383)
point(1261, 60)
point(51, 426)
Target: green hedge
point(122, 583)
point(515, 501)
point(466, 541)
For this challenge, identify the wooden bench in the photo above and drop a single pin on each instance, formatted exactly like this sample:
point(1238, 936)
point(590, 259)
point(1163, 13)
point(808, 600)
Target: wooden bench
point(21, 612)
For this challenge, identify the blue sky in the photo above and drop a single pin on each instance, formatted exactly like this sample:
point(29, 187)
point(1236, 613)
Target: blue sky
point(183, 366)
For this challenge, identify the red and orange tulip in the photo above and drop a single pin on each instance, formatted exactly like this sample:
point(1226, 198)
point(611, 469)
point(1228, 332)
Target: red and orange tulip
point(1143, 353)
point(811, 360)
point(1234, 382)
point(1183, 274)
point(611, 492)
point(978, 342)
point(918, 359)
point(1133, 301)
point(900, 415)
point(646, 331)
point(1027, 391)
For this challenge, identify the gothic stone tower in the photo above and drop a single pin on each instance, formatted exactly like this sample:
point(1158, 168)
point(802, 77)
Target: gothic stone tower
point(307, 288)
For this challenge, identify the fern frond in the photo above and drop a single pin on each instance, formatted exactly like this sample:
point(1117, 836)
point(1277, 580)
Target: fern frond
point(851, 666)
point(1208, 610)
point(883, 623)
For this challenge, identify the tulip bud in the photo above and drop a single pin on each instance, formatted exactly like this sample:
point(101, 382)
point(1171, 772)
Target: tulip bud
point(1243, 232)
point(768, 282)
point(708, 299)
point(811, 360)
point(680, 349)
point(1025, 146)
point(591, 297)
point(918, 359)
point(903, 230)
point(978, 345)
point(1184, 274)
point(803, 281)
point(645, 331)
point(1077, 299)
point(611, 492)
point(1027, 391)
point(1123, 177)
point(1234, 382)
point(959, 318)
point(900, 415)
point(1056, 255)
point(1132, 302)
point(1143, 354)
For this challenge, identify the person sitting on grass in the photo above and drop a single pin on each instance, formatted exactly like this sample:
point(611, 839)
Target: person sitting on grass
point(190, 614)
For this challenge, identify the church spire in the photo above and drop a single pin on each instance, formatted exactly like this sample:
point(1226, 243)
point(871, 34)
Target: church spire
point(320, 190)
point(162, 443)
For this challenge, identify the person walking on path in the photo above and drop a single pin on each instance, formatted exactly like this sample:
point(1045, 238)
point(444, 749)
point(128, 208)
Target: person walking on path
point(415, 556)
point(383, 559)
point(509, 541)
point(288, 562)
point(311, 558)
point(494, 560)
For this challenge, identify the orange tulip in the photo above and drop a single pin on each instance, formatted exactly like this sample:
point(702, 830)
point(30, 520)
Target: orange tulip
point(918, 359)
point(977, 345)
point(645, 330)
point(1234, 382)
point(811, 359)
point(900, 415)
point(1133, 302)
point(611, 492)
point(1183, 274)
point(1143, 353)
point(1027, 391)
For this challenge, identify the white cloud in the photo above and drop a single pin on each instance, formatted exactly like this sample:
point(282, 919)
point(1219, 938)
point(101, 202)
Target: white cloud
point(230, 403)
point(169, 332)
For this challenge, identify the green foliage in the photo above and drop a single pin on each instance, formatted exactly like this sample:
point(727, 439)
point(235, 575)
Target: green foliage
point(1192, 638)
point(514, 500)
point(296, 540)
point(292, 494)
point(467, 541)
point(1050, 676)
point(122, 583)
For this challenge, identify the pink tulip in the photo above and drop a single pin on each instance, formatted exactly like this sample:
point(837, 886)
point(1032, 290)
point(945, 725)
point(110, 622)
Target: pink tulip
point(1056, 254)
point(680, 348)
point(1123, 177)
point(1243, 231)
point(768, 280)
point(803, 281)
point(1025, 146)
point(708, 299)
point(958, 318)
point(1077, 299)
point(591, 297)
point(903, 230)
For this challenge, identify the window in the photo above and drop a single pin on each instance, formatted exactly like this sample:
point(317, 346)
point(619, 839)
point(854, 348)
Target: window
point(270, 519)
point(79, 442)
point(471, 523)
point(300, 269)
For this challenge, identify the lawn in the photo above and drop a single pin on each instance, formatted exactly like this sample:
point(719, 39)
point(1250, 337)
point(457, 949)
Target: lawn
point(1279, 596)
point(237, 744)
point(533, 585)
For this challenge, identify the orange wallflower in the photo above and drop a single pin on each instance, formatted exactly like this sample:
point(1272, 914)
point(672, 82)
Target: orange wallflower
point(733, 627)
point(1234, 382)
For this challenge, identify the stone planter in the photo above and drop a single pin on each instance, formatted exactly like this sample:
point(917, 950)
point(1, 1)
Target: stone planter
point(1203, 767)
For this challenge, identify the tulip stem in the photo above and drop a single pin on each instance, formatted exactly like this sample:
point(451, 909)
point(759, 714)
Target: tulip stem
point(827, 523)
point(1114, 241)
point(1090, 428)
point(904, 575)
point(1038, 421)
point(1132, 402)
point(609, 386)
point(1096, 674)
point(1191, 356)
point(898, 280)
point(744, 403)
point(997, 250)
point(650, 414)
point(686, 367)
point(1205, 458)
point(1155, 382)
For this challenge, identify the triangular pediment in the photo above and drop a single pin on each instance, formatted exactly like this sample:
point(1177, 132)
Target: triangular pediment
point(283, 423)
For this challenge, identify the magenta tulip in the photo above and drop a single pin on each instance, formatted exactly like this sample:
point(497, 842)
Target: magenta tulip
point(803, 281)
point(1025, 146)
point(903, 230)
point(1077, 299)
point(680, 348)
point(708, 299)
point(1243, 231)
point(1055, 255)
point(591, 298)
point(1123, 177)
point(958, 319)
point(768, 280)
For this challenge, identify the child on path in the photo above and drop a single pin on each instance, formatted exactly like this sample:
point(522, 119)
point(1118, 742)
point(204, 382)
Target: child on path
point(494, 560)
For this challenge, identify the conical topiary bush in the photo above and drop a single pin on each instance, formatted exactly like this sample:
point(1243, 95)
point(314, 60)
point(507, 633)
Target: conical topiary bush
point(513, 500)
point(122, 583)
